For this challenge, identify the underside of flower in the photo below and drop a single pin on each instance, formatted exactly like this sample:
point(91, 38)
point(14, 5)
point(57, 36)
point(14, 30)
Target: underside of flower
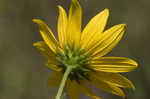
point(78, 57)
point(74, 57)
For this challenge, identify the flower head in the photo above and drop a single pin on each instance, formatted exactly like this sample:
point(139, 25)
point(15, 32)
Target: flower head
point(81, 53)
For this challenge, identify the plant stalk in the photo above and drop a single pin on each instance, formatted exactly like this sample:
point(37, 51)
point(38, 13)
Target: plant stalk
point(63, 81)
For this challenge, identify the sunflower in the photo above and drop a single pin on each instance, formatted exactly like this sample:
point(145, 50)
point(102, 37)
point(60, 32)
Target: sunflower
point(78, 56)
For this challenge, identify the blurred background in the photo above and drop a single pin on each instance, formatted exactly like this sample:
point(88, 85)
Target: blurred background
point(22, 71)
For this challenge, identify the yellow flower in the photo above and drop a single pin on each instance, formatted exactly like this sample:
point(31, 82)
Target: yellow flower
point(78, 56)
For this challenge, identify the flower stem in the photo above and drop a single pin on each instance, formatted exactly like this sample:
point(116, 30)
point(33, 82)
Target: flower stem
point(63, 81)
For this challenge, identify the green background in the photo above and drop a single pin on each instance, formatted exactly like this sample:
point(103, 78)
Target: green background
point(22, 71)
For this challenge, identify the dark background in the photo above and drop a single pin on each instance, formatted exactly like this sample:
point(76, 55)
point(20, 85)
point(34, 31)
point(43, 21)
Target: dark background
point(22, 71)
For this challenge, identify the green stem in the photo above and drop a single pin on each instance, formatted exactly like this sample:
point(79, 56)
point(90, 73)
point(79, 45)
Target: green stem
point(63, 81)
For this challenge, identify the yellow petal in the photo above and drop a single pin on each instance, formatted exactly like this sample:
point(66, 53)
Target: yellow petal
point(113, 64)
point(115, 79)
point(74, 23)
point(54, 79)
point(73, 89)
point(109, 40)
point(85, 89)
point(94, 28)
point(53, 67)
point(62, 26)
point(45, 50)
point(47, 35)
point(49, 54)
point(107, 87)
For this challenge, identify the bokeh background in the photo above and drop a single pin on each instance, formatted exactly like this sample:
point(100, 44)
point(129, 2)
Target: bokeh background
point(22, 71)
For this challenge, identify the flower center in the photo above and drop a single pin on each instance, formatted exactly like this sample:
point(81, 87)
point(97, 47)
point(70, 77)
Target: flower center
point(74, 56)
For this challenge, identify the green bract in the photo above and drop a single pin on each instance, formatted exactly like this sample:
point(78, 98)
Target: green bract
point(74, 57)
